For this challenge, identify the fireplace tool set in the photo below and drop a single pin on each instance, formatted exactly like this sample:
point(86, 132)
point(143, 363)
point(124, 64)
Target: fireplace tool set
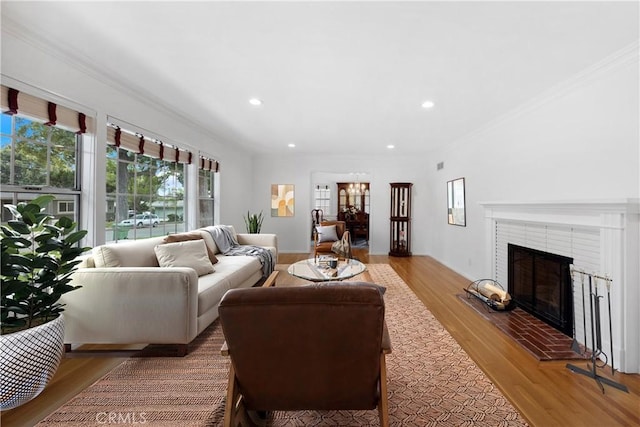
point(596, 330)
point(491, 293)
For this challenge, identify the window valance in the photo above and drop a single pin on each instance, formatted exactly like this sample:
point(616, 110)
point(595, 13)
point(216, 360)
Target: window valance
point(209, 164)
point(151, 147)
point(16, 102)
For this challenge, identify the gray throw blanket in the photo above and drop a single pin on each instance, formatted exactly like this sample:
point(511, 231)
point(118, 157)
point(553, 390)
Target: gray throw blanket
point(228, 245)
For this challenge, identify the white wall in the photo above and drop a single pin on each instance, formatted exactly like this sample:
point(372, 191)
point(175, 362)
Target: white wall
point(591, 122)
point(51, 73)
point(578, 142)
point(294, 232)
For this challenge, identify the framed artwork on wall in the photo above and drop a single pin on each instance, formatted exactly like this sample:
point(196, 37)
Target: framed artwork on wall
point(456, 214)
point(282, 199)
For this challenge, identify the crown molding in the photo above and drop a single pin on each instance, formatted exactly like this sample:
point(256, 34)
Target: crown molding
point(112, 79)
point(624, 57)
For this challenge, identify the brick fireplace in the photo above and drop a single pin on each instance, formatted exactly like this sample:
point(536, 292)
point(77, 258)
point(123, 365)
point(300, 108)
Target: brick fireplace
point(601, 237)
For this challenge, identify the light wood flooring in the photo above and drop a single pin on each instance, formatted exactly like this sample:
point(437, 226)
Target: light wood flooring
point(545, 393)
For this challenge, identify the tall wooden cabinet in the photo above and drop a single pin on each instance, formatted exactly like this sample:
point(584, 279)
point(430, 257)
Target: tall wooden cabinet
point(400, 219)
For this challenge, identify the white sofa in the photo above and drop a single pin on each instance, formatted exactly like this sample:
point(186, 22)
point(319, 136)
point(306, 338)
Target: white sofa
point(127, 298)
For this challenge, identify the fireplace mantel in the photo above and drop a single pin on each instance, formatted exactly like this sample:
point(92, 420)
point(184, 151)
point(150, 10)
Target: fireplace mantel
point(587, 213)
point(616, 227)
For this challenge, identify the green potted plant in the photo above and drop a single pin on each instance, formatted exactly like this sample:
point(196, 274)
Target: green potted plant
point(38, 258)
point(253, 222)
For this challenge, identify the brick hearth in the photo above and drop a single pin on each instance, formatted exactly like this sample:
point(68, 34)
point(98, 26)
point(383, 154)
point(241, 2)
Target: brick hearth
point(541, 340)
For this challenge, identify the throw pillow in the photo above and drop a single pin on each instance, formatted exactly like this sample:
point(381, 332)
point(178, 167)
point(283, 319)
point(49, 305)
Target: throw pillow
point(192, 235)
point(192, 253)
point(327, 233)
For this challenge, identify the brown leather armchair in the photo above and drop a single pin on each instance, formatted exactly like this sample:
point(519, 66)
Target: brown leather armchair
point(315, 347)
point(342, 233)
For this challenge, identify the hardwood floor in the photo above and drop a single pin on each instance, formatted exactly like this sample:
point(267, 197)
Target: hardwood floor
point(545, 393)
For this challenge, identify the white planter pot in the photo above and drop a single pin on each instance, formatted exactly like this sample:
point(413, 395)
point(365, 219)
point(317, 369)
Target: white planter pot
point(28, 361)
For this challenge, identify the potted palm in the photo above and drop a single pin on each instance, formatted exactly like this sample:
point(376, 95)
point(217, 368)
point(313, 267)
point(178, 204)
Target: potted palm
point(253, 222)
point(38, 258)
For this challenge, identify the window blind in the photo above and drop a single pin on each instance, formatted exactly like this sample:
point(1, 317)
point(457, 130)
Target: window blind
point(151, 147)
point(16, 102)
point(208, 164)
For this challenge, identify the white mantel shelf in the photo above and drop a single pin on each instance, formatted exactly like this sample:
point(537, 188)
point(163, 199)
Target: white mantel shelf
point(613, 205)
point(579, 213)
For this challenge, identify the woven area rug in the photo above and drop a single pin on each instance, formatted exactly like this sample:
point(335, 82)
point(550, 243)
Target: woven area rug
point(431, 381)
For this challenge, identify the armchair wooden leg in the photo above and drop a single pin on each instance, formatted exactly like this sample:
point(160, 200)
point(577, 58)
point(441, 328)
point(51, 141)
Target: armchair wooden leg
point(230, 404)
point(271, 280)
point(383, 405)
point(235, 413)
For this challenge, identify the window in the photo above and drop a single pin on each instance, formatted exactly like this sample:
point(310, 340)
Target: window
point(39, 159)
point(34, 154)
point(206, 185)
point(66, 207)
point(145, 186)
point(145, 196)
point(322, 198)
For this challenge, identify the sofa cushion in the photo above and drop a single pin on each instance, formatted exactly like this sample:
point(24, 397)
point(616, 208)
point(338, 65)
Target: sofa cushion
point(230, 272)
point(134, 253)
point(191, 253)
point(192, 235)
point(208, 240)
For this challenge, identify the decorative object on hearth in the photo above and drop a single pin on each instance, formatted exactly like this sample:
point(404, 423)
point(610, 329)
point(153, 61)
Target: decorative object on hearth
point(491, 293)
point(456, 213)
point(400, 219)
point(38, 258)
point(598, 357)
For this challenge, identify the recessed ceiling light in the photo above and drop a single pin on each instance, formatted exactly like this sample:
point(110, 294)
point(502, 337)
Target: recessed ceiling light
point(291, 145)
point(390, 146)
point(255, 101)
point(428, 104)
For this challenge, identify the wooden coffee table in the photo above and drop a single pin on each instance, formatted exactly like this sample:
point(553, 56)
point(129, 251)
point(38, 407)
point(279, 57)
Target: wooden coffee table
point(315, 271)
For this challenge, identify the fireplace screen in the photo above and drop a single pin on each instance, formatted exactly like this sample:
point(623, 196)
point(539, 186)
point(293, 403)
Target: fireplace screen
point(540, 283)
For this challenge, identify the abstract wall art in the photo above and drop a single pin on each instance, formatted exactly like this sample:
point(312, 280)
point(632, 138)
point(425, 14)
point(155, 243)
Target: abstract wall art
point(282, 199)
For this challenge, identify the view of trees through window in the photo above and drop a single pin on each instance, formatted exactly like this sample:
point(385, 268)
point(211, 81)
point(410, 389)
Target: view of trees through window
point(39, 159)
point(145, 195)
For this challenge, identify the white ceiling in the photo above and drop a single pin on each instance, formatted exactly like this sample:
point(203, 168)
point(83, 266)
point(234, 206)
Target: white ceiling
point(336, 76)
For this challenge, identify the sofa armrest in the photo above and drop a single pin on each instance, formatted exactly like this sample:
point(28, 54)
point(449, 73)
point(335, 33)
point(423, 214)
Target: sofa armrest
point(132, 305)
point(266, 240)
point(259, 239)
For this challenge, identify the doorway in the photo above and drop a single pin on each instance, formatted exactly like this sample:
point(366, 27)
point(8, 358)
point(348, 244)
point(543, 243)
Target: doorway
point(342, 197)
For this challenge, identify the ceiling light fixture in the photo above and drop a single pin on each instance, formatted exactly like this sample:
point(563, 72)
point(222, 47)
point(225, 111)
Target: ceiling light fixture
point(255, 101)
point(291, 145)
point(428, 104)
point(391, 146)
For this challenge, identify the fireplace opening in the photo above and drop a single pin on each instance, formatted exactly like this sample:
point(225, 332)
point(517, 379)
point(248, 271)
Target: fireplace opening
point(540, 283)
